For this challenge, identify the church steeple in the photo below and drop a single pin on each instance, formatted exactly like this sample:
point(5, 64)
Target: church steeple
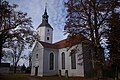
point(45, 31)
point(45, 16)
point(45, 22)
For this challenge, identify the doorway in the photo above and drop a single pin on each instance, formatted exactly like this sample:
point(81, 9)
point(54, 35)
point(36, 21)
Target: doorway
point(36, 71)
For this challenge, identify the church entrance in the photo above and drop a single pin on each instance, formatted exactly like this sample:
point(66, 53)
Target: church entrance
point(36, 71)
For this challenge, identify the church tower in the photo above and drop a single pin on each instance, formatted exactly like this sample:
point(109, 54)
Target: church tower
point(45, 31)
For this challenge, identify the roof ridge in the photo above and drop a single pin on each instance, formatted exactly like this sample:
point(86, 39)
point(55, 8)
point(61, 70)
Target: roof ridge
point(60, 41)
point(68, 42)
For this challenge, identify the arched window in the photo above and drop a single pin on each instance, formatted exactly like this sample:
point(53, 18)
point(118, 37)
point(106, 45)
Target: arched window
point(51, 64)
point(48, 30)
point(36, 56)
point(73, 59)
point(47, 38)
point(63, 60)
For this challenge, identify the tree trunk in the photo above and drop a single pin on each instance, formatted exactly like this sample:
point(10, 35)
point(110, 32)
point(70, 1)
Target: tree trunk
point(116, 73)
point(0, 52)
point(1, 44)
point(15, 68)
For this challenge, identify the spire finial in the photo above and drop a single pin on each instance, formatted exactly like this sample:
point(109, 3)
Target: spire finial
point(45, 16)
point(46, 7)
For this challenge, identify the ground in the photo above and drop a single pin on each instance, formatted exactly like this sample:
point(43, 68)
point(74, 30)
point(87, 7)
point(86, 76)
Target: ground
point(28, 77)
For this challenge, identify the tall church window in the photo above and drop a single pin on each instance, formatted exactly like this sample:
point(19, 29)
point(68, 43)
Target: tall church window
point(73, 59)
point(51, 63)
point(63, 60)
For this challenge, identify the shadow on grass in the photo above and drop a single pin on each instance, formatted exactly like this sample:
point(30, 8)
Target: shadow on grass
point(14, 77)
point(28, 77)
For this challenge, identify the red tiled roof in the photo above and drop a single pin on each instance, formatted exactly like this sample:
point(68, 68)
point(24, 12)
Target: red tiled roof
point(61, 44)
point(71, 41)
point(48, 45)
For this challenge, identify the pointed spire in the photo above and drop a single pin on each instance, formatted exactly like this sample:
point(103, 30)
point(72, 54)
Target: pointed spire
point(45, 9)
point(45, 16)
point(45, 19)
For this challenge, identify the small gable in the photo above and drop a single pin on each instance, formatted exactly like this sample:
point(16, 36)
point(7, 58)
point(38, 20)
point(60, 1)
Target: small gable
point(37, 46)
point(48, 45)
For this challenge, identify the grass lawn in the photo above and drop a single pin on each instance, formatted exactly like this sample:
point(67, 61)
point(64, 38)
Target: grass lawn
point(28, 77)
point(14, 77)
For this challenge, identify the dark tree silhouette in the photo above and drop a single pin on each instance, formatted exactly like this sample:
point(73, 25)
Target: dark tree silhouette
point(15, 31)
point(89, 17)
point(113, 39)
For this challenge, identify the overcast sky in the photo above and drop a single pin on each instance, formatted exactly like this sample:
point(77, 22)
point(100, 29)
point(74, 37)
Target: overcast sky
point(35, 10)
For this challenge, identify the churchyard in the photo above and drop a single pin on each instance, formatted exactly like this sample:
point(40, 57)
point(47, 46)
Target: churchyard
point(28, 77)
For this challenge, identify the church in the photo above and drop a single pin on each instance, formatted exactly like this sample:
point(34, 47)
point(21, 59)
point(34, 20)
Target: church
point(71, 56)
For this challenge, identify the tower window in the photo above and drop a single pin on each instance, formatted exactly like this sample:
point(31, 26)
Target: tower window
point(48, 30)
point(36, 55)
point(47, 38)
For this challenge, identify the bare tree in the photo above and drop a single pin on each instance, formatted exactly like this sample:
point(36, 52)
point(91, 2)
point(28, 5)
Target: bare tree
point(113, 39)
point(15, 53)
point(13, 24)
point(89, 17)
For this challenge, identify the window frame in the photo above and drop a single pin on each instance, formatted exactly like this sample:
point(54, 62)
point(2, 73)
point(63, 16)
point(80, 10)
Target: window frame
point(48, 38)
point(36, 56)
point(51, 63)
point(63, 60)
point(73, 60)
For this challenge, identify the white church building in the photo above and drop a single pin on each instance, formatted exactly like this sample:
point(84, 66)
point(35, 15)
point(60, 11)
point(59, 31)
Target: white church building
point(71, 56)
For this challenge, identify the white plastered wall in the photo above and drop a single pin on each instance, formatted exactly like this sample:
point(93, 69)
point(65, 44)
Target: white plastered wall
point(79, 71)
point(37, 62)
point(46, 70)
point(45, 32)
